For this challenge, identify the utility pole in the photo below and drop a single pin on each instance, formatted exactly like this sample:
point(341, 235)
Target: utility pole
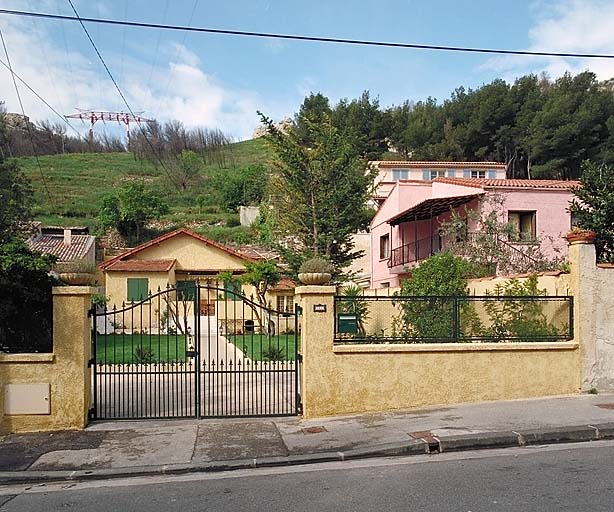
point(93, 116)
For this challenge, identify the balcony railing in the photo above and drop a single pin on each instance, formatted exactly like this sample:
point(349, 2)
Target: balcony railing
point(414, 251)
point(419, 250)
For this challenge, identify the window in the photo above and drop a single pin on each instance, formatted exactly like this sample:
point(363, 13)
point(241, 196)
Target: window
point(384, 247)
point(478, 174)
point(285, 303)
point(186, 290)
point(385, 285)
point(399, 174)
point(138, 289)
point(438, 173)
point(232, 290)
point(523, 226)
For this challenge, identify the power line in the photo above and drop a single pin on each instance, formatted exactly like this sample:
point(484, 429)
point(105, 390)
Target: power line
point(28, 127)
point(42, 99)
point(272, 35)
point(122, 96)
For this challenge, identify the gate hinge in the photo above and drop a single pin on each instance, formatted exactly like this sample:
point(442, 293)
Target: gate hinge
point(90, 363)
point(90, 414)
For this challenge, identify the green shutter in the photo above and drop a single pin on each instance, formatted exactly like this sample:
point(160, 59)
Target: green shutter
point(186, 290)
point(138, 289)
point(232, 290)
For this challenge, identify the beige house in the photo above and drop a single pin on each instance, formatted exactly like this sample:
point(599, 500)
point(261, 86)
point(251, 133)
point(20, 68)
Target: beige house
point(179, 260)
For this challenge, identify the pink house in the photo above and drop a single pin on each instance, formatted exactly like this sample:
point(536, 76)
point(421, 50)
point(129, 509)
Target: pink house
point(406, 228)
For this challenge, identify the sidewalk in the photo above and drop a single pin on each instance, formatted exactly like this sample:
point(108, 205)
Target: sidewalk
point(130, 448)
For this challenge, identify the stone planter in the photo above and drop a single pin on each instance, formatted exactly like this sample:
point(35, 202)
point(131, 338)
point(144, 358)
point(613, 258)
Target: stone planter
point(314, 278)
point(581, 237)
point(76, 278)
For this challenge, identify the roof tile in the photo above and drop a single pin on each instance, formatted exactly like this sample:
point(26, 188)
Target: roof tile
point(494, 183)
point(54, 245)
point(141, 266)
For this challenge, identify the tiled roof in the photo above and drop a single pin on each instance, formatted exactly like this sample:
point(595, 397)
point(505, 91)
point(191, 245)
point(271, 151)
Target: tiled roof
point(258, 253)
point(494, 183)
point(422, 163)
point(284, 285)
point(54, 245)
point(141, 266)
point(172, 234)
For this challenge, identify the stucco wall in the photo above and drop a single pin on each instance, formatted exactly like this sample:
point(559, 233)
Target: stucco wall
point(192, 254)
point(348, 379)
point(593, 286)
point(65, 370)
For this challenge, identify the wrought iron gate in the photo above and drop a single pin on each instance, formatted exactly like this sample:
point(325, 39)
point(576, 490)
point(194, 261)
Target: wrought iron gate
point(195, 350)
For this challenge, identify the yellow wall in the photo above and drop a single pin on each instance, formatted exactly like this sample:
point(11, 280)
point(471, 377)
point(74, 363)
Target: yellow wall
point(65, 370)
point(192, 254)
point(117, 292)
point(347, 379)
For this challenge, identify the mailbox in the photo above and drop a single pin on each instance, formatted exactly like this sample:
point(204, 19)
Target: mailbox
point(347, 323)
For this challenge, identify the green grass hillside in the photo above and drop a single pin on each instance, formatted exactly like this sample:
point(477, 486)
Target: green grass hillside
point(77, 182)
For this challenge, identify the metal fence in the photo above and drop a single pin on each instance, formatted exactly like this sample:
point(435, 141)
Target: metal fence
point(444, 319)
point(194, 351)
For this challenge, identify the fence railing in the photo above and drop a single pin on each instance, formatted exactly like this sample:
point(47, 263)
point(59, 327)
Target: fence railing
point(444, 319)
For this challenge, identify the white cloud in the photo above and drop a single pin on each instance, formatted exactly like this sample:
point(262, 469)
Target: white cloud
point(571, 26)
point(180, 88)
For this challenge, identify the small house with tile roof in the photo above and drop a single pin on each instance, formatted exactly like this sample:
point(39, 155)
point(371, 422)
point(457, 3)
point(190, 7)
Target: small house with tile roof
point(407, 227)
point(66, 244)
point(178, 260)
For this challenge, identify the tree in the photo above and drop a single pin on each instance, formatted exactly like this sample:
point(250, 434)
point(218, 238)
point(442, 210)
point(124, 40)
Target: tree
point(262, 275)
point(15, 202)
point(130, 208)
point(319, 192)
point(25, 284)
point(242, 186)
point(187, 168)
point(593, 206)
point(315, 109)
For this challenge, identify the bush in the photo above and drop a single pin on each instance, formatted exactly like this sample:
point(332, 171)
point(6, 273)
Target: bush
point(143, 355)
point(80, 266)
point(316, 264)
point(432, 318)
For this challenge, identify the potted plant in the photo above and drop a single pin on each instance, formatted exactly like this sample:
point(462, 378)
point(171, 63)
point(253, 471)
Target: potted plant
point(579, 235)
point(76, 272)
point(316, 270)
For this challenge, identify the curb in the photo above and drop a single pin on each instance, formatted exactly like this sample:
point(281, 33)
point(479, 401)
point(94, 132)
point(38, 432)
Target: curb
point(432, 445)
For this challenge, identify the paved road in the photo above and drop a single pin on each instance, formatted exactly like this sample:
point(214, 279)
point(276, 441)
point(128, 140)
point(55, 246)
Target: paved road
point(560, 478)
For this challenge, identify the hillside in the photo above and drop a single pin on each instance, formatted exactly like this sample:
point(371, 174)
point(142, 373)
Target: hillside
point(78, 181)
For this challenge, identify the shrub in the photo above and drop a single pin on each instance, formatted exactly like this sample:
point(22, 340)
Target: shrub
point(143, 355)
point(432, 318)
point(79, 266)
point(316, 264)
point(274, 353)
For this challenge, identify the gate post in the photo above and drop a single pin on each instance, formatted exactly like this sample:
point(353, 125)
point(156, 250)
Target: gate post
point(72, 350)
point(317, 333)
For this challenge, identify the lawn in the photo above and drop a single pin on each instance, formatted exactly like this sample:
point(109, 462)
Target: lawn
point(118, 348)
point(259, 347)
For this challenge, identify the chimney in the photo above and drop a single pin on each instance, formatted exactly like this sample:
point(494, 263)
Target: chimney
point(67, 236)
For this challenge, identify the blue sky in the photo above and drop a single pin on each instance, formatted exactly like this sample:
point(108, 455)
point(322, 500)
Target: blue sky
point(220, 81)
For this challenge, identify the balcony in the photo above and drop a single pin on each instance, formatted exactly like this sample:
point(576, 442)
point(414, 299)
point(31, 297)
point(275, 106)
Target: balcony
point(414, 251)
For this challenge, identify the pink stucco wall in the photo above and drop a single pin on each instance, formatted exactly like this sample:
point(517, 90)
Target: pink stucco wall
point(552, 218)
